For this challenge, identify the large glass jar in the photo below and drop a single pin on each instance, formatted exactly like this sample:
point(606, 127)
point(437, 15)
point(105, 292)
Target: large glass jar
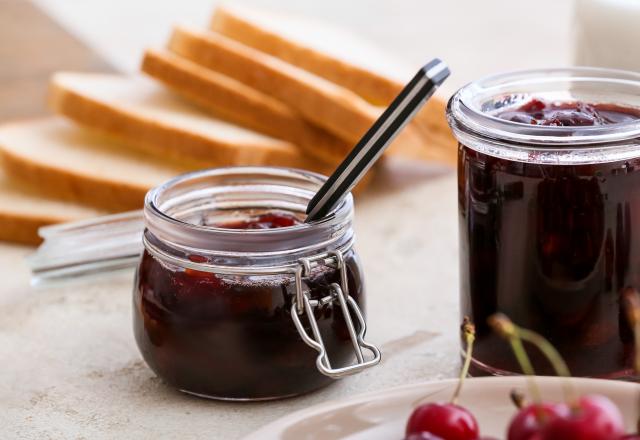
point(549, 212)
point(227, 312)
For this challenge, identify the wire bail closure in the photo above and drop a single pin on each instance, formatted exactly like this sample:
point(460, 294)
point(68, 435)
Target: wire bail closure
point(340, 293)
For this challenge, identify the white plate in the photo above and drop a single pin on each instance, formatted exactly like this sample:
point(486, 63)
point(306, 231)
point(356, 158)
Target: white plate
point(383, 414)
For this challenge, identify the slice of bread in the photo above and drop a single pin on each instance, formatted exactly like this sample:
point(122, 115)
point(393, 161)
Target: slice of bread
point(24, 210)
point(233, 101)
point(63, 160)
point(327, 104)
point(145, 115)
point(327, 51)
point(338, 56)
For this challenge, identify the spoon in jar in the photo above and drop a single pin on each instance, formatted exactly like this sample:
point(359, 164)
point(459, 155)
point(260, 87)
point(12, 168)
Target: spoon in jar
point(90, 247)
point(376, 140)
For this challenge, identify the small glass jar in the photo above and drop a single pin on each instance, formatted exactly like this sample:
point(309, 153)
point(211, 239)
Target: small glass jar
point(549, 217)
point(248, 314)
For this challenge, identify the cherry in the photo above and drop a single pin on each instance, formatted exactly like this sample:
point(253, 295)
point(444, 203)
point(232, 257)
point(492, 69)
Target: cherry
point(530, 420)
point(566, 114)
point(429, 436)
point(197, 273)
point(422, 436)
point(533, 106)
point(631, 302)
point(270, 220)
point(448, 421)
point(279, 220)
point(592, 418)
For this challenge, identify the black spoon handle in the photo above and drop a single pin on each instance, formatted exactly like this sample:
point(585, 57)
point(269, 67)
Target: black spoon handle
point(377, 139)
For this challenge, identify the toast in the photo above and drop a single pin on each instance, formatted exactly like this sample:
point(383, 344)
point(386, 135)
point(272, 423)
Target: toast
point(328, 105)
point(144, 115)
point(24, 210)
point(340, 57)
point(329, 52)
point(72, 163)
point(65, 161)
point(231, 100)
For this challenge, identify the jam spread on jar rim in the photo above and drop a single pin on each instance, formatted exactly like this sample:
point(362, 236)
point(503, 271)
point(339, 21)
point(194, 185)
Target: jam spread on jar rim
point(568, 113)
point(270, 220)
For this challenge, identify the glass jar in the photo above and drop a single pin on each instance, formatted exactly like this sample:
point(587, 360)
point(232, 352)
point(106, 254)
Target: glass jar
point(547, 217)
point(248, 314)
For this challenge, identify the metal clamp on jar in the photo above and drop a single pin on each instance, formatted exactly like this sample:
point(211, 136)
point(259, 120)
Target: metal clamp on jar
point(338, 293)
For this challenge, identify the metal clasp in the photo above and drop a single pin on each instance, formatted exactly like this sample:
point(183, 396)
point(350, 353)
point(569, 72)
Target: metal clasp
point(366, 358)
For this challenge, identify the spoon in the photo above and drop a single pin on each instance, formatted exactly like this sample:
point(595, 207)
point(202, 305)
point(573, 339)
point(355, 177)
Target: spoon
point(376, 140)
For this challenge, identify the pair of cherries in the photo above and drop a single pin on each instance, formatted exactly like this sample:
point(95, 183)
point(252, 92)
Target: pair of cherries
point(590, 418)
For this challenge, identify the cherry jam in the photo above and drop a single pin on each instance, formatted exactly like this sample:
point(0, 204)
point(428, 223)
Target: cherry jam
point(552, 246)
point(232, 336)
point(262, 221)
point(567, 114)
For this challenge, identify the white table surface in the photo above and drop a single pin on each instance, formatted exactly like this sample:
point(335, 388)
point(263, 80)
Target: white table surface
point(70, 367)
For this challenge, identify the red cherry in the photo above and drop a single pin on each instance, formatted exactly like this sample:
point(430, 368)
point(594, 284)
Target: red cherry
point(263, 221)
point(530, 419)
point(448, 421)
point(630, 437)
point(535, 105)
point(422, 436)
point(429, 436)
point(594, 418)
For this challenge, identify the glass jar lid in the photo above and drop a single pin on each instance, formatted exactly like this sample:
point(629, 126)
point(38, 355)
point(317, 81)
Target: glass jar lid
point(184, 213)
point(472, 111)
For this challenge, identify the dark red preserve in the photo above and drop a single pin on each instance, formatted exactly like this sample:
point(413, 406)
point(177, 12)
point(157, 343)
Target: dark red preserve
point(548, 233)
point(568, 113)
point(217, 322)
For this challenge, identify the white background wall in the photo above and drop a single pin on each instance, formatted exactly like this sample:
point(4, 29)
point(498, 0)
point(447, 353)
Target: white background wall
point(475, 37)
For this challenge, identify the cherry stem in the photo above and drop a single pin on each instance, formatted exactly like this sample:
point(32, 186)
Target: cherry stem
point(554, 358)
point(631, 299)
point(518, 398)
point(469, 334)
point(502, 325)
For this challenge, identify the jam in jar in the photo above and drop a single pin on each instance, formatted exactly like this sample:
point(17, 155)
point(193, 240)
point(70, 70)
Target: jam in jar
point(549, 196)
point(237, 298)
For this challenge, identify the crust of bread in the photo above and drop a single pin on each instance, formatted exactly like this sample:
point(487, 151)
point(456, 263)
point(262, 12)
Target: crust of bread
point(70, 185)
point(21, 229)
point(112, 189)
point(328, 105)
point(375, 88)
point(166, 140)
point(23, 210)
point(235, 102)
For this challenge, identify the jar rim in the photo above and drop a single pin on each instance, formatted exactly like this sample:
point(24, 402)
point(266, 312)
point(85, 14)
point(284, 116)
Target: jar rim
point(293, 188)
point(467, 109)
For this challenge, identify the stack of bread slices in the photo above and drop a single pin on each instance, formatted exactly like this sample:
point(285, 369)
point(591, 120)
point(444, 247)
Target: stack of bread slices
point(255, 88)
